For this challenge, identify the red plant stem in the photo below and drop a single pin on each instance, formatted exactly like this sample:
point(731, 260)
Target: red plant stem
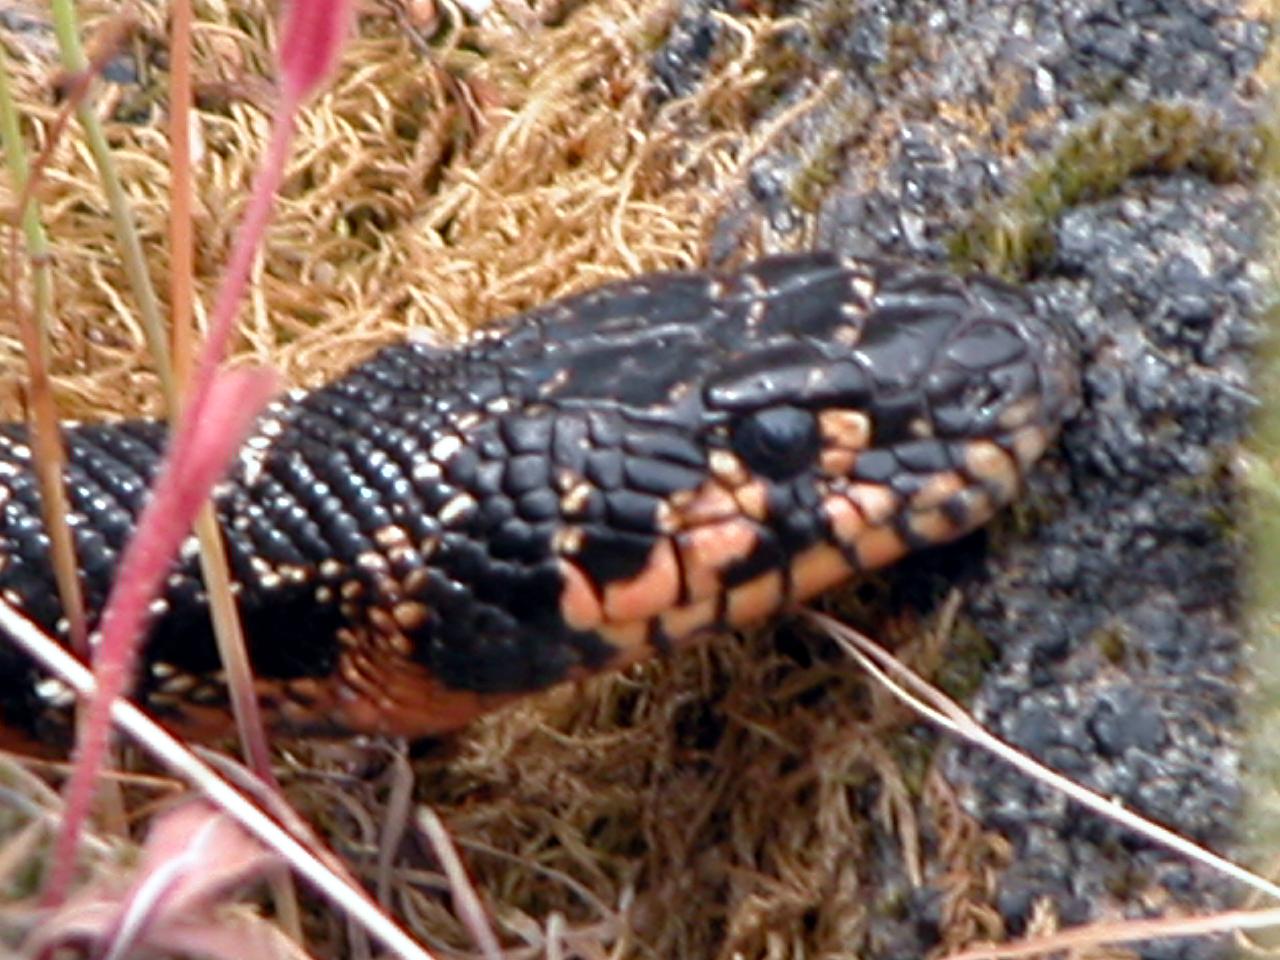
point(168, 515)
point(235, 278)
point(196, 459)
point(213, 558)
point(212, 426)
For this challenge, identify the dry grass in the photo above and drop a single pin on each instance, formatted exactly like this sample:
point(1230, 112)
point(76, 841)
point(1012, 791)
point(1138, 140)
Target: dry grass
point(433, 187)
point(749, 799)
point(742, 801)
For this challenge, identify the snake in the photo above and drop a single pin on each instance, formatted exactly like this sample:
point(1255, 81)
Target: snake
point(602, 479)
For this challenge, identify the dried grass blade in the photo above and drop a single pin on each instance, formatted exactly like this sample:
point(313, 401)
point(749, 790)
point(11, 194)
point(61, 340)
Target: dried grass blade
point(34, 330)
point(936, 706)
point(467, 903)
point(1126, 931)
point(168, 751)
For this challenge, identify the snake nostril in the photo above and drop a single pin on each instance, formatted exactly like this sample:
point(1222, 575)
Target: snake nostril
point(778, 442)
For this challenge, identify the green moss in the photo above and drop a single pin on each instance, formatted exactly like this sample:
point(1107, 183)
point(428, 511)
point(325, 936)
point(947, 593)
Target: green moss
point(1093, 162)
point(912, 750)
point(813, 183)
point(1211, 488)
point(969, 653)
point(1111, 642)
point(1021, 519)
point(780, 60)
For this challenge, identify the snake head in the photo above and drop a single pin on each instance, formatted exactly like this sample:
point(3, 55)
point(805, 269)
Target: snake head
point(907, 415)
point(954, 361)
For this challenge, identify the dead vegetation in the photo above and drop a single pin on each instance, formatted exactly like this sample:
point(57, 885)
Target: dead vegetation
point(751, 799)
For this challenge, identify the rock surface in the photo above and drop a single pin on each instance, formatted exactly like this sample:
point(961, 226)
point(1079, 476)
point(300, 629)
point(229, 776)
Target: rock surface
point(1111, 601)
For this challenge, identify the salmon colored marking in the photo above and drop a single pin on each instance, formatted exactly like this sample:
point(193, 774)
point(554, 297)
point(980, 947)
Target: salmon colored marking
point(374, 691)
point(382, 621)
point(1028, 444)
point(933, 526)
point(815, 569)
point(205, 723)
point(837, 462)
point(937, 490)
point(994, 468)
point(976, 505)
point(755, 600)
point(879, 546)
point(567, 541)
point(850, 429)
point(1017, 414)
point(401, 698)
point(712, 502)
point(878, 504)
point(410, 615)
point(576, 498)
point(843, 518)
point(707, 550)
point(753, 499)
point(683, 623)
point(579, 607)
point(664, 518)
point(648, 593)
point(727, 468)
point(399, 643)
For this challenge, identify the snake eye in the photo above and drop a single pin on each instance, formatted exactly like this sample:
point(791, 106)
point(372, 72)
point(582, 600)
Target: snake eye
point(778, 443)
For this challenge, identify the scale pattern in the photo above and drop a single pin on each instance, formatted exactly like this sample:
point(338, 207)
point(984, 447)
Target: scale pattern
point(579, 487)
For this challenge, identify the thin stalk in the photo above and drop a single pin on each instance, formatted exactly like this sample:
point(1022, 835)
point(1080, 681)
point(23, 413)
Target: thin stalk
point(181, 245)
point(135, 264)
point(46, 438)
point(166, 749)
point(213, 555)
point(227, 627)
point(35, 336)
point(941, 710)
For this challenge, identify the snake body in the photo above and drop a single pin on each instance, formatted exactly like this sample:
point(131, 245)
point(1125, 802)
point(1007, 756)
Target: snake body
point(571, 490)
